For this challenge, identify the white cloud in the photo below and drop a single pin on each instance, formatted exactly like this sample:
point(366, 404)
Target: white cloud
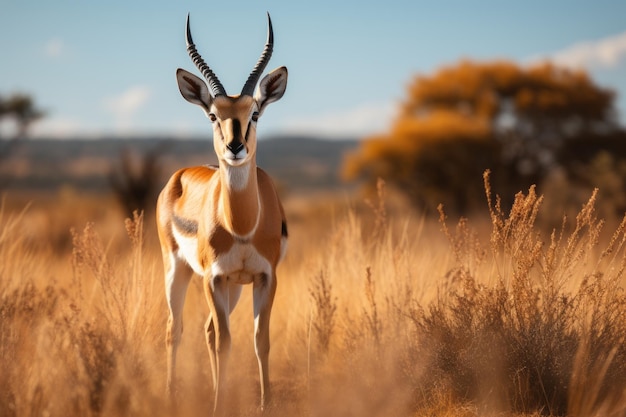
point(605, 53)
point(54, 48)
point(359, 121)
point(125, 105)
point(129, 101)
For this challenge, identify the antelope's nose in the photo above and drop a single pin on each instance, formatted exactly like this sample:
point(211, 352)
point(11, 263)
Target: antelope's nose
point(235, 147)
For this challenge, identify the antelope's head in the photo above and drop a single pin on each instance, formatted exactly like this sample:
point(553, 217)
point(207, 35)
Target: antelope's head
point(234, 118)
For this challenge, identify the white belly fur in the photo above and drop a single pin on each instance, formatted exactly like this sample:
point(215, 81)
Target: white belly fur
point(241, 264)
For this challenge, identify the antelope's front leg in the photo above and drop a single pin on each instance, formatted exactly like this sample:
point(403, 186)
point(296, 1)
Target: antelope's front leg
point(217, 294)
point(264, 288)
point(177, 277)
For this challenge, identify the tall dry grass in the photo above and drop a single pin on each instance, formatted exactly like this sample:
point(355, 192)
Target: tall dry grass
point(378, 312)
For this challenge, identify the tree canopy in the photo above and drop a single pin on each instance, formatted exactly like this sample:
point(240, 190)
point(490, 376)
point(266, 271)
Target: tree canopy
point(21, 110)
point(511, 119)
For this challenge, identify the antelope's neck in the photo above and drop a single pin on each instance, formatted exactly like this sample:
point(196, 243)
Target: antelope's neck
point(239, 199)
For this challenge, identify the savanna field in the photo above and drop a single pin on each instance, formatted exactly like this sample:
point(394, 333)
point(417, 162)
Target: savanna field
point(379, 312)
point(457, 238)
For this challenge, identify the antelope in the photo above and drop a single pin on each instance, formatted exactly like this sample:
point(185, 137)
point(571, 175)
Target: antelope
point(224, 223)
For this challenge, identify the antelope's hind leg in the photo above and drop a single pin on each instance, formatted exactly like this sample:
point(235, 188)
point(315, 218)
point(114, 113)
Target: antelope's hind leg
point(210, 342)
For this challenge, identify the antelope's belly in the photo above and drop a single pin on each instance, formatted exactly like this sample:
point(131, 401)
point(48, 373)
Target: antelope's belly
point(241, 264)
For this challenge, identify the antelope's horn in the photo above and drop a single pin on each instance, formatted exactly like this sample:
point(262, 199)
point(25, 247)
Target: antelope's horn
point(216, 87)
point(248, 88)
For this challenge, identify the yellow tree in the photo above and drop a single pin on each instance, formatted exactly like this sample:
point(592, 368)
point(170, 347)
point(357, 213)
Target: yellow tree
point(472, 116)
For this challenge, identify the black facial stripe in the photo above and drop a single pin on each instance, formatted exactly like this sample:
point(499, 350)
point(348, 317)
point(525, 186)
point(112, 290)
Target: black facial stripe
point(248, 131)
point(219, 128)
point(236, 129)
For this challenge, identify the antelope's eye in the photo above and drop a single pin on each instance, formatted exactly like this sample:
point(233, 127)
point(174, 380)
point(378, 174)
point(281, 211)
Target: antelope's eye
point(212, 117)
point(255, 116)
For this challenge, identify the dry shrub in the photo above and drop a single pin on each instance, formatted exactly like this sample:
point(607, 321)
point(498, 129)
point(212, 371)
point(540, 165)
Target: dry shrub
point(359, 335)
point(528, 330)
point(136, 180)
point(70, 348)
point(325, 309)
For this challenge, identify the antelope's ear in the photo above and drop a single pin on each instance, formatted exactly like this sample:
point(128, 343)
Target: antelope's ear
point(271, 88)
point(193, 89)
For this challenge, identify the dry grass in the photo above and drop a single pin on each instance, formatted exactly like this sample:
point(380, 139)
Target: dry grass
point(377, 313)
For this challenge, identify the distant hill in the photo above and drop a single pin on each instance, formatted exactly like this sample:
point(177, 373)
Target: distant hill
point(295, 163)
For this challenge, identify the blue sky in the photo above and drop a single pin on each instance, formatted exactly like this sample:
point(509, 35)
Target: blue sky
point(107, 68)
